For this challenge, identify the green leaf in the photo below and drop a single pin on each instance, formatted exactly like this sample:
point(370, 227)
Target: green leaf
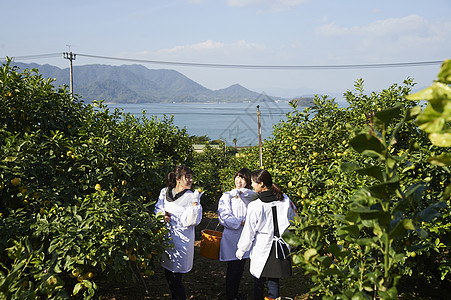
point(385, 190)
point(360, 296)
point(437, 90)
point(386, 116)
point(297, 259)
point(391, 293)
point(78, 287)
point(414, 193)
point(292, 239)
point(413, 113)
point(373, 171)
point(421, 232)
point(445, 72)
point(442, 160)
point(348, 167)
point(367, 142)
point(440, 139)
point(310, 255)
point(429, 213)
point(352, 230)
point(401, 228)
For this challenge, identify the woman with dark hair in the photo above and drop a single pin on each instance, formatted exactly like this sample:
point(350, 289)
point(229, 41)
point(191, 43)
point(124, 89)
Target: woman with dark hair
point(267, 219)
point(232, 209)
point(182, 212)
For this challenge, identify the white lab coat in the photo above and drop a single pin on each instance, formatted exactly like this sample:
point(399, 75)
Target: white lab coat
point(232, 209)
point(258, 231)
point(184, 217)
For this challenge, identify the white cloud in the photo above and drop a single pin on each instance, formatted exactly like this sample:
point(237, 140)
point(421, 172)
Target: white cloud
point(391, 26)
point(397, 36)
point(213, 46)
point(268, 5)
point(241, 3)
point(207, 45)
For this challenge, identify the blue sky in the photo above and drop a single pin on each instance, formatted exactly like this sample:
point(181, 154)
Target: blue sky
point(250, 32)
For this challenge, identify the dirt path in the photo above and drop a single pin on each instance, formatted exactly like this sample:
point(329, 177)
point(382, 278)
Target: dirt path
point(206, 280)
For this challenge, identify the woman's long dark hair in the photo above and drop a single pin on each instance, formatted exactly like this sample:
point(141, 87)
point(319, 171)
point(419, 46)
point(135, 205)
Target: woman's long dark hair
point(264, 176)
point(244, 173)
point(177, 173)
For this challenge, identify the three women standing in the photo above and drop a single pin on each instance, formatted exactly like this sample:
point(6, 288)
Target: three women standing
point(232, 208)
point(182, 212)
point(267, 219)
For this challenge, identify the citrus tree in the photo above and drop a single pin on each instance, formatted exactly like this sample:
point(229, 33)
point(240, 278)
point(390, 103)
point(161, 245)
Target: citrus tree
point(384, 200)
point(77, 184)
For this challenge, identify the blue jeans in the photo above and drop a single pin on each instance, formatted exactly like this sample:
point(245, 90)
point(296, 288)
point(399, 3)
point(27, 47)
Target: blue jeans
point(235, 270)
point(175, 284)
point(259, 287)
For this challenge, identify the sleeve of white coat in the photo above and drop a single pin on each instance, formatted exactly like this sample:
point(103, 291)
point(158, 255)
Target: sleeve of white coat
point(191, 216)
point(159, 206)
point(248, 194)
point(225, 214)
point(248, 234)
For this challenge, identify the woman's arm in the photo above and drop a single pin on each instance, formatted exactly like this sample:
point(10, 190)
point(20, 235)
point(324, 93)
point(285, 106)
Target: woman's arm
point(191, 216)
point(225, 213)
point(249, 231)
point(159, 206)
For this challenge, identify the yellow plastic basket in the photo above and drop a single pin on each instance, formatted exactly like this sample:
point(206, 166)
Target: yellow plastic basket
point(210, 243)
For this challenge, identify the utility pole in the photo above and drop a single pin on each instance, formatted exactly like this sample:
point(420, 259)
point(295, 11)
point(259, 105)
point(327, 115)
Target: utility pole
point(259, 136)
point(70, 56)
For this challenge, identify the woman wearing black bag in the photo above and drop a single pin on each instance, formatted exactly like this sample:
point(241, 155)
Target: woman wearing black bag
point(267, 219)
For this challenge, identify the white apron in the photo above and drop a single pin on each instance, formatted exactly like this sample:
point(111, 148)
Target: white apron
point(258, 231)
point(232, 208)
point(184, 217)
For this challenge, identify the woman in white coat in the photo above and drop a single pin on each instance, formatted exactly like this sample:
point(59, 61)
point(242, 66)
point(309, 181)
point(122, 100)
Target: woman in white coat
point(182, 212)
point(232, 209)
point(267, 219)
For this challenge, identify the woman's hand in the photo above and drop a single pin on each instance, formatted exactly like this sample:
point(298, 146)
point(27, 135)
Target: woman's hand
point(196, 196)
point(167, 217)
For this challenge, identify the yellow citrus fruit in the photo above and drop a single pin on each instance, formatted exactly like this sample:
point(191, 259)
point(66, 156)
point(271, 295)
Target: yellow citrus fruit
point(295, 147)
point(200, 190)
point(90, 275)
point(98, 187)
point(124, 182)
point(75, 273)
point(69, 153)
point(15, 181)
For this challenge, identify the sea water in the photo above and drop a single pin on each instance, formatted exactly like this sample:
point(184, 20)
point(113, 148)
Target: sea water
point(225, 121)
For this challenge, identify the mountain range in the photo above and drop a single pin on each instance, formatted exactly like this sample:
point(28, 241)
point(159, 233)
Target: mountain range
point(138, 84)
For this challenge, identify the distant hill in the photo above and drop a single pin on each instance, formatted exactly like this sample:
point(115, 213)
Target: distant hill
point(138, 84)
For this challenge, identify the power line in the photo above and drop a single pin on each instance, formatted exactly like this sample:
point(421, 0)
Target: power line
point(37, 56)
point(244, 66)
point(274, 67)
